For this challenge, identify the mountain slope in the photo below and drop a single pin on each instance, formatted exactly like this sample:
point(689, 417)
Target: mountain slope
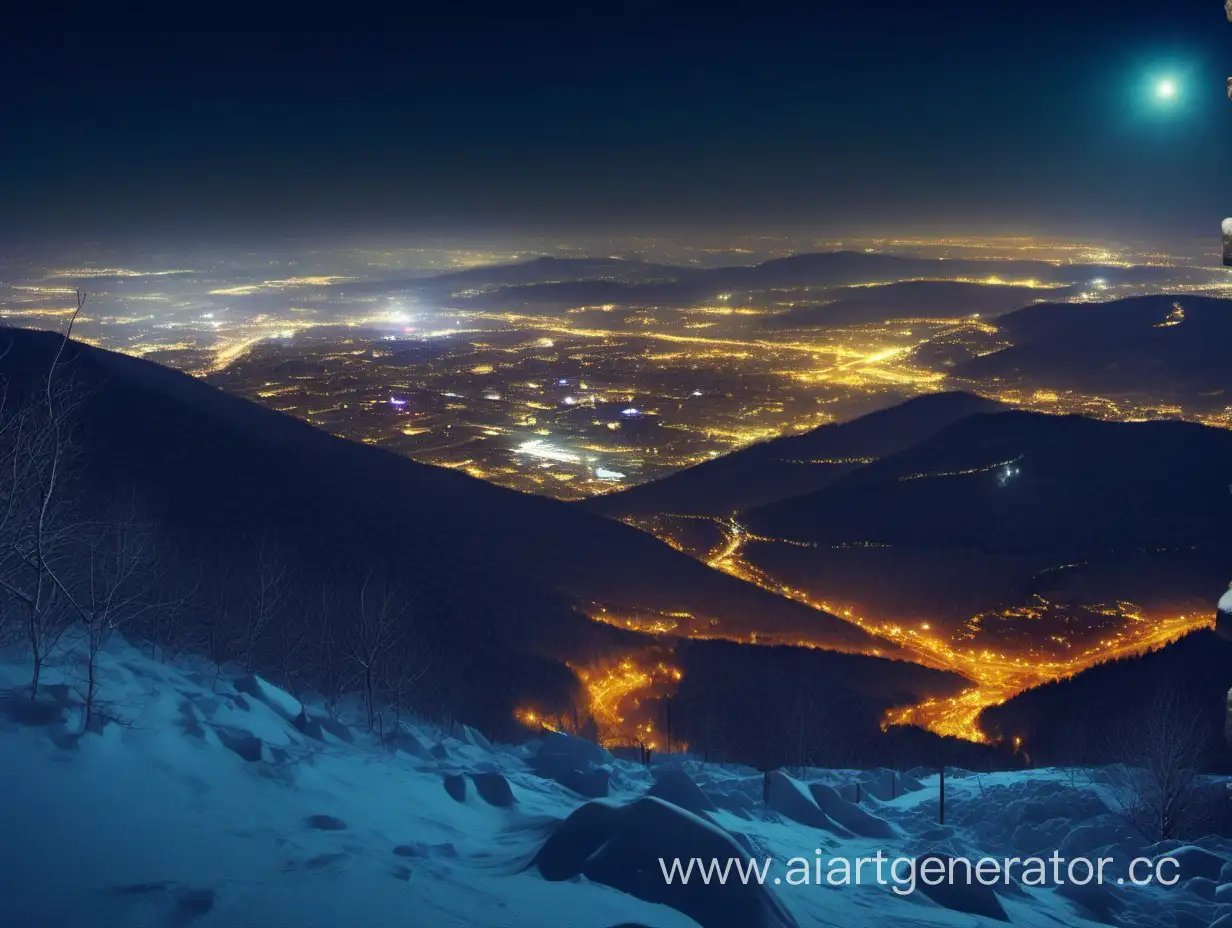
point(1160, 349)
point(205, 806)
point(997, 510)
point(1076, 720)
point(492, 567)
point(790, 466)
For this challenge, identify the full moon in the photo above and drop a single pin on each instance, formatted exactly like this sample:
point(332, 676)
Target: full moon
point(1166, 89)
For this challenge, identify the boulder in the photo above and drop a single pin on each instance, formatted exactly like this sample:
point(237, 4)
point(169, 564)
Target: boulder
point(620, 846)
point(574, 763)
point(560, 751)
point(593, 784)
point(493, 789)
point(455, 786)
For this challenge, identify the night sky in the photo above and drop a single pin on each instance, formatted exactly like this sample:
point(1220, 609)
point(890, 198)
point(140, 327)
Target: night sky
point(873, 117)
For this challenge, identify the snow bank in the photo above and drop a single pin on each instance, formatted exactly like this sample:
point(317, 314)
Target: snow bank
point(210, 802)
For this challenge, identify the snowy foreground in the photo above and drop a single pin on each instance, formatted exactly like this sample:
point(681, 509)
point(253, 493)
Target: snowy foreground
point(221, 804)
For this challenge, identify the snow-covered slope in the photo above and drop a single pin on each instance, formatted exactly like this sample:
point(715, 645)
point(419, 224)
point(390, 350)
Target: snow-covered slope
point(216, 800)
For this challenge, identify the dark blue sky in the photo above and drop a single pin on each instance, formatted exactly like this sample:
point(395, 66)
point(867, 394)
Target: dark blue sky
point(997, 117)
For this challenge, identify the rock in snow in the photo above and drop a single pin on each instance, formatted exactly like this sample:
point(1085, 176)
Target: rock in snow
point(621, 846)
point(493, 789)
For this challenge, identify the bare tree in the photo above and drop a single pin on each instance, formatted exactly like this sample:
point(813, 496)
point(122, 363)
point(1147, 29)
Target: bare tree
point(371, 637)
point(38, 521)
point(266, 595)
point(1158, 787)
point(408, 662)
point(113, 587)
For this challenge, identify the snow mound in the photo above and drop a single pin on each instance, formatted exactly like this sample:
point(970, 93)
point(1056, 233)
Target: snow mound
point(792, 800)
point(850, 815)
point(958, 895)
point(468, 735)
point(620, 846)
point(674, 786)
point(1196, 861)
point(1095, 901)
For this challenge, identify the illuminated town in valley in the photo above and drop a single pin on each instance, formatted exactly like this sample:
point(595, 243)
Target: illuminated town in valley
point(538, 367)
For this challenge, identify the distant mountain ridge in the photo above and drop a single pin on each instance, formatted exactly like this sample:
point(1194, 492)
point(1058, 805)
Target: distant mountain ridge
point(792, 465)
point(1143, 347)
point(913, 299)
point(550, 280)
point(585, 280)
